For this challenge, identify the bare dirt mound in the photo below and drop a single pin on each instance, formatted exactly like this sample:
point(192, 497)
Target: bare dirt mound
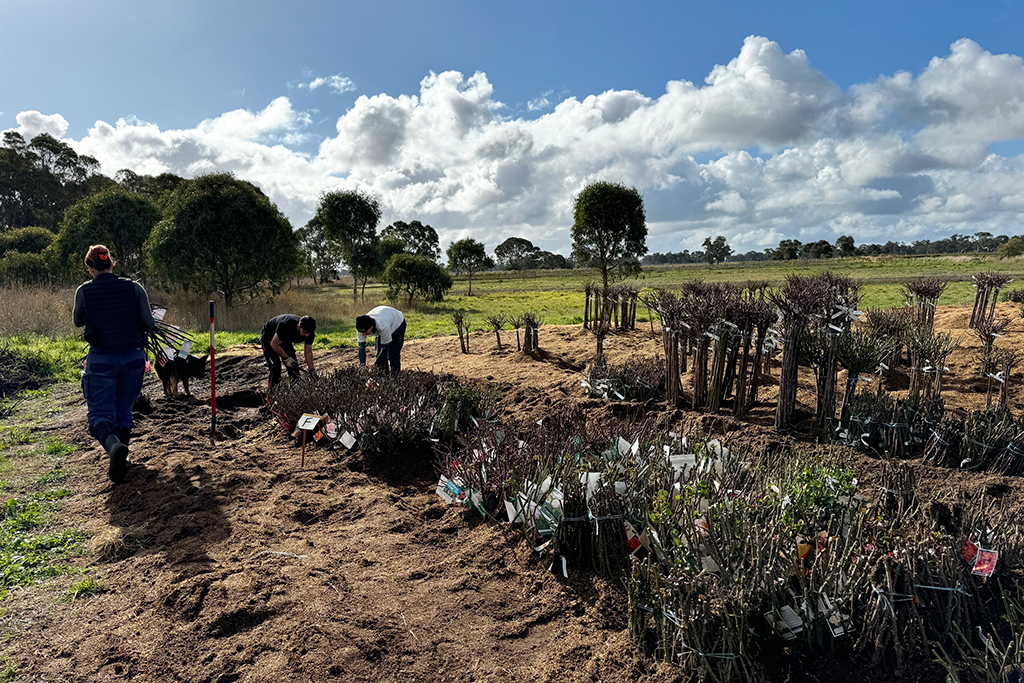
point(245, 568)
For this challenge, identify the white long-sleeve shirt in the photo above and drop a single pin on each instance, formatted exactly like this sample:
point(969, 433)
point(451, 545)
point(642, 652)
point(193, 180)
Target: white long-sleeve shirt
point(385, 321)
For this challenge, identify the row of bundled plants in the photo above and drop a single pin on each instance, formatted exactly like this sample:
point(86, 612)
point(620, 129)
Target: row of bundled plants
point(638, 379)
point(726, 558)
point(982, 440)
point(394, 418)
point(1016, 295)
point(725, 329)
point(614, 307)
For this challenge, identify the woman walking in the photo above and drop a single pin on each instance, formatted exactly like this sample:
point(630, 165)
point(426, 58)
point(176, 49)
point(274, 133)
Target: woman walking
point(115, 313)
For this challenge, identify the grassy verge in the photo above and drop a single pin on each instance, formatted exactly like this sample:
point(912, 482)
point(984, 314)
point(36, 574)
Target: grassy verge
point(33, 477)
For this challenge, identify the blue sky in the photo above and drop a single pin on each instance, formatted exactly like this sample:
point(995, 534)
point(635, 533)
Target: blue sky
point(198, 86)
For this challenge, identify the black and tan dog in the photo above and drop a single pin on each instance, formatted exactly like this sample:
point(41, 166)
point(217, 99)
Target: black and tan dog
point(178, 369)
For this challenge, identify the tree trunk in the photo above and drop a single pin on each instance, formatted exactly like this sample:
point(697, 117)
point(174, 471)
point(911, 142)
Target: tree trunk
point(470, 293)
point(848, 395)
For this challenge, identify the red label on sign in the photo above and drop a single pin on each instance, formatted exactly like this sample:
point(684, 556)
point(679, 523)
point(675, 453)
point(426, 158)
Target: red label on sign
point(970, 551)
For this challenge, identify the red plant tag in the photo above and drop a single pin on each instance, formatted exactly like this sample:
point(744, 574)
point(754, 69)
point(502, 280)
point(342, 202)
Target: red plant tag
point(986, 562)
point(970, 551)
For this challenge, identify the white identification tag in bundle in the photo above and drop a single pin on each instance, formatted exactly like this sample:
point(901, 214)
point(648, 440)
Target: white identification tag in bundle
point(308, 421)
point(186, 348)
point(159, 313)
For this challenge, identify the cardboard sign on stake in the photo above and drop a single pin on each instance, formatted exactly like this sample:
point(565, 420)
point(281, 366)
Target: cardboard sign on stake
point(985, 563)
point(306, 423)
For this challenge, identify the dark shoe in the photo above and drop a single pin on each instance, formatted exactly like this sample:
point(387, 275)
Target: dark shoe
point(118, 453)
point(124, 434)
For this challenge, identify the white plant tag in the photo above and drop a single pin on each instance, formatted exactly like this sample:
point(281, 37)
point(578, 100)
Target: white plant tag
point(308, 421)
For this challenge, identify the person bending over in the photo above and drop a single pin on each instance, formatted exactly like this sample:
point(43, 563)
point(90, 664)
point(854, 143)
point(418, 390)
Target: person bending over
point(115, 313)
point(388, 324)
point(278, 338)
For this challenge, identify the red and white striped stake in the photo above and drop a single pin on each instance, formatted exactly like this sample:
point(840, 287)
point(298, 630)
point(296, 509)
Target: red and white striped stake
point(213, 382)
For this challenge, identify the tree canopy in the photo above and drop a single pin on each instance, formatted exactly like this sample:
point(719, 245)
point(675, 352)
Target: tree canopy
point(516, 253)
point(609, 228)
point(468, 256)
point(119, 219)
point(30, 240)
point(416, 275)
point(787, 250)
point(40, 178)
point(153, 187)
point(845, 246)
point(350, 218)
point(223, 234)
point(322, 255)
point(415, 237)
point(717, 250)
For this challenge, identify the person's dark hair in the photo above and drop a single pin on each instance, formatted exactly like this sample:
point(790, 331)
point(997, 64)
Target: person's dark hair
point(363, 323)
point(98, 257)
point(307, 323)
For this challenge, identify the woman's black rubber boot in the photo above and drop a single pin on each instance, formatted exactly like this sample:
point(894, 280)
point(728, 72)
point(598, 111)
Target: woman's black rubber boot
point(119, 457)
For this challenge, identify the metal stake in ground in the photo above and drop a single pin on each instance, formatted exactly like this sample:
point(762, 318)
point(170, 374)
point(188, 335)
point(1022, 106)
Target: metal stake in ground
point(213, 382)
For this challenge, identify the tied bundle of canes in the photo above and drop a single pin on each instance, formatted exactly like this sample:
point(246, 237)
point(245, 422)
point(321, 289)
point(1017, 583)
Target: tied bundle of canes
point(164, 336)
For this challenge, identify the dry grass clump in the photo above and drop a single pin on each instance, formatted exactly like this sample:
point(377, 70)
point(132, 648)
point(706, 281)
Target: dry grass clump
point(117, 543)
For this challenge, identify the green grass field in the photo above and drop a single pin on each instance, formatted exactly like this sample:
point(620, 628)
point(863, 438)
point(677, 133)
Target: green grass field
point(555, 296)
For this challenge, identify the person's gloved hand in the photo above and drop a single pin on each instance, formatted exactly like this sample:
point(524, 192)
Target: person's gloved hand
point(293, 366)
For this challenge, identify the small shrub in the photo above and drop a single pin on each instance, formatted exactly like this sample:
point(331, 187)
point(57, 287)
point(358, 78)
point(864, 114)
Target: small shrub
point(82, 589)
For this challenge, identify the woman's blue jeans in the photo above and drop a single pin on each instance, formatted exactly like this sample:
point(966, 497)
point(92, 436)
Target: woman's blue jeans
point(111, 383)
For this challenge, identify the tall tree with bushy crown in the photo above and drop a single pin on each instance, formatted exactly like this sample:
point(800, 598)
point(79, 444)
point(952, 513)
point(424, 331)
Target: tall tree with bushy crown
point(609, 228)
point(223, 234)
point(350, 217)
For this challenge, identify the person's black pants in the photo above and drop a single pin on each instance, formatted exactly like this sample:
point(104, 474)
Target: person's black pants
point(273, 359)
point(391, 354)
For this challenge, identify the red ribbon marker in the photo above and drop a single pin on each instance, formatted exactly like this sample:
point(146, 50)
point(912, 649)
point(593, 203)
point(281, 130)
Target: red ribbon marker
point(213, 382)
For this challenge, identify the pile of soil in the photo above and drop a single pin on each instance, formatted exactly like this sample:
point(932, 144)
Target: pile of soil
point(242, 566)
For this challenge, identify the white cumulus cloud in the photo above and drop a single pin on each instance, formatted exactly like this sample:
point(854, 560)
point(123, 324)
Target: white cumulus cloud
point(338, 83)
point(766, 148)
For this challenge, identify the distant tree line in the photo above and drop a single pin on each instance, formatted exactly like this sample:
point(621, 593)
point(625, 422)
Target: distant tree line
point(717, 250)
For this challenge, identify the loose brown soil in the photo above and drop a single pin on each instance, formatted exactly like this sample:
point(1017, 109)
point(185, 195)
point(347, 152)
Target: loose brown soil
point(242, 567)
